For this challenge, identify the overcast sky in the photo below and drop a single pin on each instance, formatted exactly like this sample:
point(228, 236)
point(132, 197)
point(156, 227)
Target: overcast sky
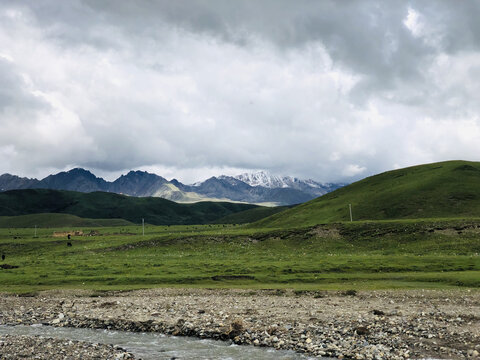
point(329, 90)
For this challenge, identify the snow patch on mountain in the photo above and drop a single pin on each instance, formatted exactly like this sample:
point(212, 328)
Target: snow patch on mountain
point(265, 179)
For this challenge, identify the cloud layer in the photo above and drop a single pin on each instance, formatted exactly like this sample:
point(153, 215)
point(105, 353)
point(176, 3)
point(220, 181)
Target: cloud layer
point(316, 89)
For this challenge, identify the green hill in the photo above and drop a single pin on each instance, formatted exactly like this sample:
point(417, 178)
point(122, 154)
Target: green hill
point(440, 190)
point(250, 215)
point(102, 205)
point(57, 221)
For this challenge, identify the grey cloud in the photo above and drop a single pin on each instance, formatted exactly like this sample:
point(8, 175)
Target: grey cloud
point(366, 37)
point(14, 90)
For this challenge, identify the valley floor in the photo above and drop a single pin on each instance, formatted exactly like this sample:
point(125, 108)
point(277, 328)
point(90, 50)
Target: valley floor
point(392, 324)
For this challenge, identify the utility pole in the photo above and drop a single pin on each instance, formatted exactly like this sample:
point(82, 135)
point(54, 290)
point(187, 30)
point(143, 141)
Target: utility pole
point(35, 231)
point(350, 207)
point(143, 227)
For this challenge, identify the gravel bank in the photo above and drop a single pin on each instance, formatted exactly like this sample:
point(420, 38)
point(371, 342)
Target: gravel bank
point(35, 347)
point(367, 325)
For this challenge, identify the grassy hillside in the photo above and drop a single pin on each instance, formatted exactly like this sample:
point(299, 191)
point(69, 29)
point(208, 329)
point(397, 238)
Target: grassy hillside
point(251, 215)
point(57, 221)
point(102, 205)
point(440, 190)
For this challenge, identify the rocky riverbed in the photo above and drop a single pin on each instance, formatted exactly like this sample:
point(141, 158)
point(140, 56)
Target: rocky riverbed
point(365, 325)
point(35, 347)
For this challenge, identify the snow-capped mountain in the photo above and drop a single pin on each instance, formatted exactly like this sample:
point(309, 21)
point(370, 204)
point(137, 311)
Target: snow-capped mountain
point(263, 178)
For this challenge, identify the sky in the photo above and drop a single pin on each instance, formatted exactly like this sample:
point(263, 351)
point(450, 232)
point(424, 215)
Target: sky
point(328, 90)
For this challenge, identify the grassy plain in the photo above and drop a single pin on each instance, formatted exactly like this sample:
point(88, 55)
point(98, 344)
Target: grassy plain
point(360, 255)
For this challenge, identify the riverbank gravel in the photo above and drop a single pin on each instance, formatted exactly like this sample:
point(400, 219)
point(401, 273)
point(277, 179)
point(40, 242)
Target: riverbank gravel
point(396, 324)
point(36, 347)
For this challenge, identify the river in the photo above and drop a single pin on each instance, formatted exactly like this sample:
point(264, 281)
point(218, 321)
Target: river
point(154, 346)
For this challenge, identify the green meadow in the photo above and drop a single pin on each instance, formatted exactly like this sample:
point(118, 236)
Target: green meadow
point(439, 253)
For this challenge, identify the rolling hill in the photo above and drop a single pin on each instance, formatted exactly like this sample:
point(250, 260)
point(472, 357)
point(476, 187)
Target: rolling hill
point(102, 205)
point(251, 215)
point(439, 190)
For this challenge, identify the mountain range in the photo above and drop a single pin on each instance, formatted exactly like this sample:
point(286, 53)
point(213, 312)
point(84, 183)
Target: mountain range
point(256, 188)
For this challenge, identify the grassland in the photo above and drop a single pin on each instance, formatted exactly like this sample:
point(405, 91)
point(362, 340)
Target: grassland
point(363, 255)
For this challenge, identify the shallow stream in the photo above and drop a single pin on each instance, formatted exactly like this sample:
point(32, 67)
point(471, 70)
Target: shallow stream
point(150, 346)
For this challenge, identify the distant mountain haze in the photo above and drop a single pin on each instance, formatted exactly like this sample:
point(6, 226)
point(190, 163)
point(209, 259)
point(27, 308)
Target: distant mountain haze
point(255, 188)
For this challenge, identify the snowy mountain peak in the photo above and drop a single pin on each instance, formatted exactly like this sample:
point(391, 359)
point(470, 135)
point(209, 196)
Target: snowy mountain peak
point(265, 179)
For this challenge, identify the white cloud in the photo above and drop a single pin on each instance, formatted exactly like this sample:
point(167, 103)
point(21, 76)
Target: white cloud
point(413, 23)
point(353, 170)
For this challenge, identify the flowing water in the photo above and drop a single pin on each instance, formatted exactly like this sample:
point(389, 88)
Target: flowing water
point(150, 346)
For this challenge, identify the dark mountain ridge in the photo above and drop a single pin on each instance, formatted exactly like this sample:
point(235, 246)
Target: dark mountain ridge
point(137, 183)
point(11, 182)
point(74, 180)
